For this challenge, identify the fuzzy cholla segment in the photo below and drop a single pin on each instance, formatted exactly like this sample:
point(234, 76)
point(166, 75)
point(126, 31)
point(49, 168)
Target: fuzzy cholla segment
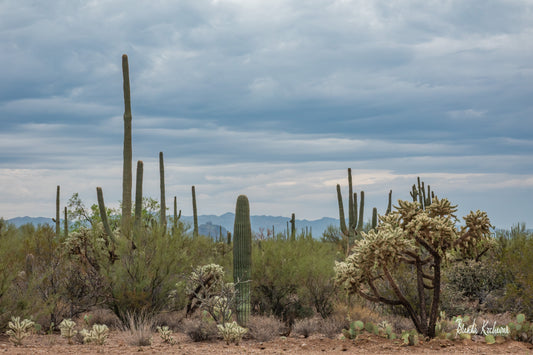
point(231, 332)
point(18, 330)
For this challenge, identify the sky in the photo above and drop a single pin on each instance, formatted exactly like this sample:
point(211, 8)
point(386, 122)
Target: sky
point(272, 99)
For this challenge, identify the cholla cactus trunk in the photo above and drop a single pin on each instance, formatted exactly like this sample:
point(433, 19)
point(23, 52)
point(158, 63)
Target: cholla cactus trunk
point(138, 199)
point(163, 213)
point(195, 213)
point(127, 153)
point(57, 220)
point(242, 258)
point(66, 224)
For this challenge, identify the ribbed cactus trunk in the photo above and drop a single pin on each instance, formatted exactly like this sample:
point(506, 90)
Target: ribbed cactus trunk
point(195, 213)
point(66, 224)
point(127, 152)
point(361, 212)
point(344, 230)
point(58, 217)
point(374, 218)
point(103, 214)
point(293, 227)
point(163, 213)
point(242, 258)
point(137, 223)
point(389, 204)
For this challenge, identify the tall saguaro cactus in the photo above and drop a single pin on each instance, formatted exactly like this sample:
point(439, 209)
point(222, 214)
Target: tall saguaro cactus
point(293, 227)
point(127, 164)
point(66, 223)
point(163, 213)
point(242, 258)
point(57, 220)
point(195, 213)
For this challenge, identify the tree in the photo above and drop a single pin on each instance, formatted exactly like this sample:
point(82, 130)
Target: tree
point(416, 236)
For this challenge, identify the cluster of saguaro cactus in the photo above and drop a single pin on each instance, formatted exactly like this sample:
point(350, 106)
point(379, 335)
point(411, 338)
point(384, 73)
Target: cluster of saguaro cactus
point(355, 220)
point(419, 194)
point(242, 258)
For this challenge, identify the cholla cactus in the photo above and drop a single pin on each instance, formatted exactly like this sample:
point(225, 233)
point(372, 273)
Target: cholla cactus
point(204, 283)
point(98, 334)
point(231, 332)
point(67, 329)
point(420, 237)
point(18, 330)
point(166, 335)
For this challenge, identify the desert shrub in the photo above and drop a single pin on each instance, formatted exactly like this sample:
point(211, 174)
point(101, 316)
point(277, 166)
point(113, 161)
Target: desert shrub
point(200, 329)
point(331, 326)
point(290, 279)
point(306, 326)
point(11, 251)
point(263, 328)
point(141, 280)
point(467, 285)
point(516, 255)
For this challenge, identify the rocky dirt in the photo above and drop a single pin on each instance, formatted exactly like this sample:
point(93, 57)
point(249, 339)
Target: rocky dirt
point(120, 343)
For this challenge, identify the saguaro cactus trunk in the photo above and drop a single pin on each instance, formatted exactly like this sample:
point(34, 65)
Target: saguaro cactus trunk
point(242, 258)
point(163, 213)
point(57, 220)
point(127, 164)
point(138, 199)
point(195, 213)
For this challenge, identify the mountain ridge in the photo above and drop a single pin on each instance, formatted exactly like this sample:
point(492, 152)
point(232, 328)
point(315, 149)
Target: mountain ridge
point(225, 220)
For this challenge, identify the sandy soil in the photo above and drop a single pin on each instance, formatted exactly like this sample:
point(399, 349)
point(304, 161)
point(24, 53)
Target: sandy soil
point(119, 343)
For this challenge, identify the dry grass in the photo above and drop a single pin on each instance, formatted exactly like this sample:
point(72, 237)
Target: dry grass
point(139, 329)
point(264, 328)
point(306, 326)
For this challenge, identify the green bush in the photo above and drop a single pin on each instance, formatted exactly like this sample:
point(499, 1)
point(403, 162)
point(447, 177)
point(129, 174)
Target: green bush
point(292, 279)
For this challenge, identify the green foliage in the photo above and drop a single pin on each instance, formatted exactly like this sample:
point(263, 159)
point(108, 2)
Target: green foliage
point(515, 249)
point(291, 279)
point(140, 281)
point(18, 330)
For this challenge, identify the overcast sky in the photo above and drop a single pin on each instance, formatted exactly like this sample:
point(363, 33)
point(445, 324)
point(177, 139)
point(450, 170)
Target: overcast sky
point(272, 99)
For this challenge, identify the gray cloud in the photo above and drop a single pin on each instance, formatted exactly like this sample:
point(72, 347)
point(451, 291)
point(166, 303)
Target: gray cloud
point(240, 91)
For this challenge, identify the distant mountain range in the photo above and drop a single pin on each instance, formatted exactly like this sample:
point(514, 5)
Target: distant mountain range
point(209, 225)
